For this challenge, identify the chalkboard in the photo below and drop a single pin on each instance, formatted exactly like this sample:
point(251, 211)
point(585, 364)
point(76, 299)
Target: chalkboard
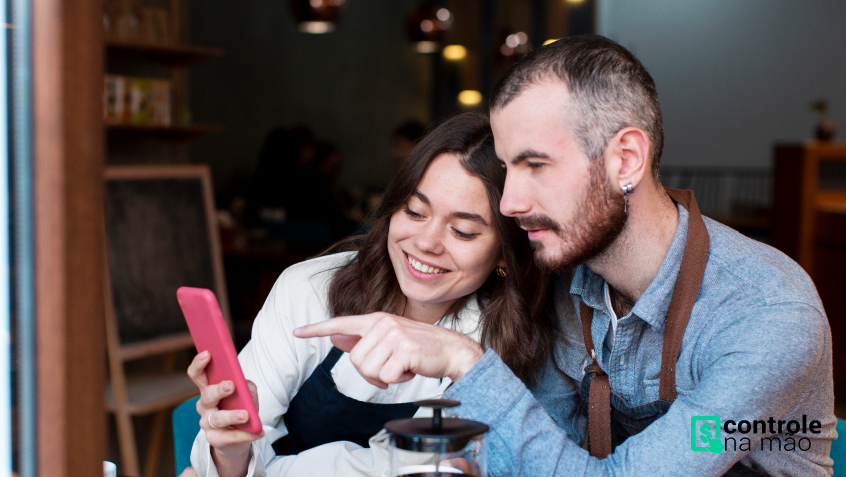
point(160, 235)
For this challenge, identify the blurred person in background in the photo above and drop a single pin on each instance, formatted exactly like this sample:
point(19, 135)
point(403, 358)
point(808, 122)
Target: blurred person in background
point(405, 137)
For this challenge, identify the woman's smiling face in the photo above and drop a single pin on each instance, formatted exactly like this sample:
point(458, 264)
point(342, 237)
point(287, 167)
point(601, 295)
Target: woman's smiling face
point(443, 244)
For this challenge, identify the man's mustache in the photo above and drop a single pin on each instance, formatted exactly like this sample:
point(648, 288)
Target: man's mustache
point(535, 222)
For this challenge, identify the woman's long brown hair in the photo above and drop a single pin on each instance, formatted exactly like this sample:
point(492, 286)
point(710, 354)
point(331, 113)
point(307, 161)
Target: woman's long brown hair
point(515, 322)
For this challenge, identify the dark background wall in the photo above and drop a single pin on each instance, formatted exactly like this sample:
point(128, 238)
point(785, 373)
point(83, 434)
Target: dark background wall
point(735, 76)
point(351, 87)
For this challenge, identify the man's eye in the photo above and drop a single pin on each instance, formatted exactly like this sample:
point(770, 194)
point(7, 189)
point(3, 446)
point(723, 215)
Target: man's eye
point(535, 165)
point(463, 236)
point(414, 215)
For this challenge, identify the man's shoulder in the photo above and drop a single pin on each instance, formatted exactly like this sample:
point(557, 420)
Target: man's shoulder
point(744, 269)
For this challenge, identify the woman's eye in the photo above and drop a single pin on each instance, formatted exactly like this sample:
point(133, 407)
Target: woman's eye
point(414, 215)
point(464, 236)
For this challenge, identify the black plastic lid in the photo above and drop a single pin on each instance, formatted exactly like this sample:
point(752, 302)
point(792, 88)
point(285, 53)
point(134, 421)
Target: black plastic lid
point(437, 434)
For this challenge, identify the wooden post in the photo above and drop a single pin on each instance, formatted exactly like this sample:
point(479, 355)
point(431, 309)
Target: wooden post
point(67, 52)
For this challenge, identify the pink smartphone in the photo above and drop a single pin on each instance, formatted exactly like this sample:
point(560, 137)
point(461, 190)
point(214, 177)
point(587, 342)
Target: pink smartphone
point(209, 331)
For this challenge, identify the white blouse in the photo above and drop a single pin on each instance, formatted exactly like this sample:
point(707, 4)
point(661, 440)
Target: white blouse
point(279, 364)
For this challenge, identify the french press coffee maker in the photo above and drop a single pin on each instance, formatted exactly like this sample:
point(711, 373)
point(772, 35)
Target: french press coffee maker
point(437, 447)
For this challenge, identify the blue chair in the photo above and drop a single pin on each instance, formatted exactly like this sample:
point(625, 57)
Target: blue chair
point(838, 449)
point(186, 426)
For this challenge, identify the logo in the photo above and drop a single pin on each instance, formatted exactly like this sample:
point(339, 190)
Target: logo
point(775, 435)
point(705, 434)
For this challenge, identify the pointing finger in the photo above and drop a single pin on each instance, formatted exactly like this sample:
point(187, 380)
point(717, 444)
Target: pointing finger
point(342, 325)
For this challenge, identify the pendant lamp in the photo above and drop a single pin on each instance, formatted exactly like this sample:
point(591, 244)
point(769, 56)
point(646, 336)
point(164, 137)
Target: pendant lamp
point(509, 46)
point(426, 26)
point(317, 16)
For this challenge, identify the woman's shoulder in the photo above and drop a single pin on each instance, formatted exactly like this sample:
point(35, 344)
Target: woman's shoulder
point(317, 272)
point(324, 264)
point(468, 320)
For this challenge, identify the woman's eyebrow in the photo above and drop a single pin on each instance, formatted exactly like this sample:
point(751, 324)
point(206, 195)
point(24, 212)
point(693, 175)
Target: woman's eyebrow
point(471, 217)
point(458, 215)
point(422, 197)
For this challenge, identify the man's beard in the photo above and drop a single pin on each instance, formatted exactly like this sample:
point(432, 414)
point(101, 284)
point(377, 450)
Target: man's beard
point(599, 220)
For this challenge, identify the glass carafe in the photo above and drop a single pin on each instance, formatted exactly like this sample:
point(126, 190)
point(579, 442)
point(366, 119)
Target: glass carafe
point(437, 446)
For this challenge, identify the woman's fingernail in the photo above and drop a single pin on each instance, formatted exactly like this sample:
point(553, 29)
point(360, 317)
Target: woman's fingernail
point(204, 354)
point(227, 386)
point(242, 416)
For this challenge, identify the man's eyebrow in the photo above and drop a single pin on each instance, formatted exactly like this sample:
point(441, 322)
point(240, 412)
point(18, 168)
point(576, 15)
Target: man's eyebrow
point(422, 197)
point(528, 154)
point(470, 216)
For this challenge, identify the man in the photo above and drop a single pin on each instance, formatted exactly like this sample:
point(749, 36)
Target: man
point(700, 351)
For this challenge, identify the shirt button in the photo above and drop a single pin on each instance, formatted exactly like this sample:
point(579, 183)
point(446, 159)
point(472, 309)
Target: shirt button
point(391, 388)
point(622, 360)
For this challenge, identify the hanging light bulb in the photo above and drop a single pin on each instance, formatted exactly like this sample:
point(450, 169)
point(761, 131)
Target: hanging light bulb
point(426, 26)
point(454, 52)
point(317, 16)
point(469, 98)
point(509, 46)
point(515, 44)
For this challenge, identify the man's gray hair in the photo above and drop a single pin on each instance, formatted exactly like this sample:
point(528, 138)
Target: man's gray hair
point(609, 88)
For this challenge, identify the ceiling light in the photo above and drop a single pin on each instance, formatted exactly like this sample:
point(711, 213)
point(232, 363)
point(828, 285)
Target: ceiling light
point(317, 16)
point(316, 27)
point(470, 97)
point(454, 52)
point(427, 23)
point(426, 46)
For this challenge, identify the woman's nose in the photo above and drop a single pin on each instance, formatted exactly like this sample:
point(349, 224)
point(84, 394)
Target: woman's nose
point(430, 239)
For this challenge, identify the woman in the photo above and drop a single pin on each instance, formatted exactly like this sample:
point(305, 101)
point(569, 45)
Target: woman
point(440, 254)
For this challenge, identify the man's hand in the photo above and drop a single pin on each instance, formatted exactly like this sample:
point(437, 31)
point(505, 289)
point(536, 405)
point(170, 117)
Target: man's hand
point(386, 348)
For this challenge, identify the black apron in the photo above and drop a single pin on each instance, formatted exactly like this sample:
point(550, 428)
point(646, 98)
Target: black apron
point(607, 413)
point(320, 414)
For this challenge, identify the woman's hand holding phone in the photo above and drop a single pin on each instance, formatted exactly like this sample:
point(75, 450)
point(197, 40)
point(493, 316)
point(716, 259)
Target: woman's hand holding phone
point(230, 446)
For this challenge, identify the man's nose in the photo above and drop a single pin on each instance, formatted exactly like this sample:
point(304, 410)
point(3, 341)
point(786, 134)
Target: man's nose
point(431, 238)
point(515, 201)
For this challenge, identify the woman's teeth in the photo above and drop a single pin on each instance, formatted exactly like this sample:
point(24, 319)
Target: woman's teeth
point(424, 268)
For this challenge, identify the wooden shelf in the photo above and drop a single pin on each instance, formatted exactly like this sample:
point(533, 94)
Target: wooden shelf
point(152, 393)
point(155, 346)
point(167, 54)
point(179, 132)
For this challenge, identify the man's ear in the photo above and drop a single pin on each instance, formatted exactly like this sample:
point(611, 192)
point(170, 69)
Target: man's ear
point(629, 154)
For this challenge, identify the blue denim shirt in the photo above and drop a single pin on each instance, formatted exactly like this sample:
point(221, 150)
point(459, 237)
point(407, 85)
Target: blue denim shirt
point(758, 345)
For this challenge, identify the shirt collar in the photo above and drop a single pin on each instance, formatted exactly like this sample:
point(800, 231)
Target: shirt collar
point(653, 304)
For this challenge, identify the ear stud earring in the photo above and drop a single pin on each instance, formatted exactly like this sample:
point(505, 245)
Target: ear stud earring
point(627, 189)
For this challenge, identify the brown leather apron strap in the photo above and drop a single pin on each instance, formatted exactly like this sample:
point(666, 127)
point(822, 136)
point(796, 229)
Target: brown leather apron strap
point(685, 292)
point(599, 398)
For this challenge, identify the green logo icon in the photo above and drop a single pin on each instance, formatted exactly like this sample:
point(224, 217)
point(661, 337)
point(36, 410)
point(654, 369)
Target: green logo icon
point(705, 434)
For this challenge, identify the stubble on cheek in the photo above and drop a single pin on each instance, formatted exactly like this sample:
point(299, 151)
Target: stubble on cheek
point(598, 219)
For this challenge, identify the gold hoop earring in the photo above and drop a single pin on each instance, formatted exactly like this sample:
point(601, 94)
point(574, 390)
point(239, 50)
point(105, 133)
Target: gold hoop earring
point(500, 271)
